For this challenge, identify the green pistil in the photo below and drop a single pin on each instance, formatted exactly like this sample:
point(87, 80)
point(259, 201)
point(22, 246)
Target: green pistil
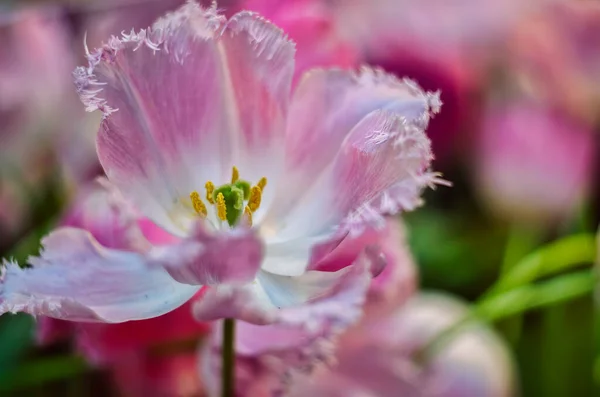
point(234, 195)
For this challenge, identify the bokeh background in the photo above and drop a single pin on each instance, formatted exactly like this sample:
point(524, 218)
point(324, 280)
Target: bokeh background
point(517, 137)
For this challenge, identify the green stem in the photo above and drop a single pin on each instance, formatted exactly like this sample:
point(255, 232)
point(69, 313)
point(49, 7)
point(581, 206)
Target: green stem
point(533, 296)
point(520, 241)
point(228, 363)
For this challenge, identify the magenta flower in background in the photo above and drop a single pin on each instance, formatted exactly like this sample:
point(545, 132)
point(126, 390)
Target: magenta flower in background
point(270, 358)
point(248, 186)
point(312, 26)
point(534, 164)
point(455, 78)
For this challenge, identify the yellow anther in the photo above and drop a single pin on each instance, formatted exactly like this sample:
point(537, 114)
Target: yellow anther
point(221, 207)
point(255, 198)
point(197, 203)
point(235, 174)
point(248, 214)
point(262, 183)
point(210, 188)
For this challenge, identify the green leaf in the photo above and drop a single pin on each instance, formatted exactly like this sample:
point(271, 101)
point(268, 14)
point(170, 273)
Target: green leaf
point(551, 259)
point(531, 296)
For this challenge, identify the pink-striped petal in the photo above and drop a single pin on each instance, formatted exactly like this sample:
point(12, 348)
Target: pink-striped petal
point(381, 168)
point(77, 279)
point(232, 257)
point(177, 108)
point(396, 283)
point(350, 139)
point(260, 302)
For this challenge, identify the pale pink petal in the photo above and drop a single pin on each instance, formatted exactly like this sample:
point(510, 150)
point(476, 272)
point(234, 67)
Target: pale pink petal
point(260, 62)
point(260, 302)
point(396, 283)
point(300, 341)
point(230, 256)
point(101, 209)
point(381, 168)
point(249, 303)
point(176, 108)
point(353, 138)
point(75, 278)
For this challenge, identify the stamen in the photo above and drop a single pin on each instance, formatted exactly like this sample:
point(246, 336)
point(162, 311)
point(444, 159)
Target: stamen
point(221, 207)
point(210, 188)
point(248, 214)
point(262, 183)
point(235, 174)
point(197, 203)
point(255, 198)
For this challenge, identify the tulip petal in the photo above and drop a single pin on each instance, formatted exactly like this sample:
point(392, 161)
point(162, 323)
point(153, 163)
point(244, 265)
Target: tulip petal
point(232, 256)
point(260, 302)
point(168, 94)
point(260, 62)
point(77, 279)
point(381, 168)
point(340, 123)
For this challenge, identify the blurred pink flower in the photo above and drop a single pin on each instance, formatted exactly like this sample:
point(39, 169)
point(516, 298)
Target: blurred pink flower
point(312, 26)
point(100, 20)
point(446, 45)
point(131, 350)
point(533, 164)
point(374, 359)
point(41, 121)
point(349, 148)
point(443, 27)
point(270, 357)
point(555, 52)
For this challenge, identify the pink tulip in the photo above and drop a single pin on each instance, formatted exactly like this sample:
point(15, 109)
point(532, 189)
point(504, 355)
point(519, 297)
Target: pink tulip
point(41, 122)
point(555, 52)
point(534, 164)
point(186, 102)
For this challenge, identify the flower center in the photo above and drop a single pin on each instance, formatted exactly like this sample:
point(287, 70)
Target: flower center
point(232, 201)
